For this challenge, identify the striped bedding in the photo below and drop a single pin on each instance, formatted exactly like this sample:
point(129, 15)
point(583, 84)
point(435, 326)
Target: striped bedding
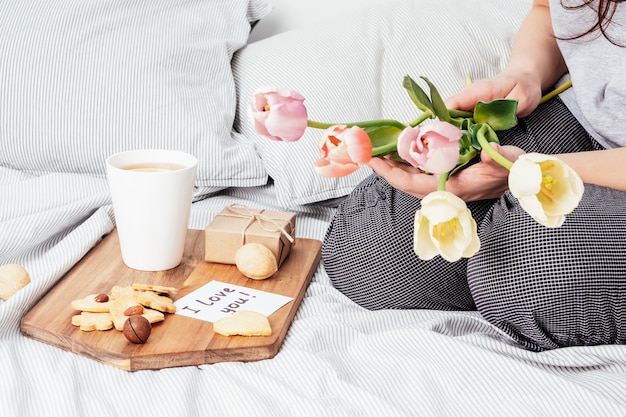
point(337, 359)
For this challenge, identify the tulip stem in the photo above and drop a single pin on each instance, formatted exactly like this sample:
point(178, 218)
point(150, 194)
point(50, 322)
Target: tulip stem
point(556, 91)
point(385, 149)
point(364, 124)
point(441, 184)
point(318, 125)
point(426, 115)
point(484, 144)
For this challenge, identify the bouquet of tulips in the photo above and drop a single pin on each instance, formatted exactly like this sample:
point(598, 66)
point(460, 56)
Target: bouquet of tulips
point(440, 141)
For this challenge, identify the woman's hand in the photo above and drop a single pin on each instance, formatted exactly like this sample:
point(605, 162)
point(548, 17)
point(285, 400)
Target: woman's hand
point(483, 180)
point(510, 85)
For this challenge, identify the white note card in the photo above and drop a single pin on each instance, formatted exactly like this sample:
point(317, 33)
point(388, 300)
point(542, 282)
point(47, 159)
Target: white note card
point(216, 300)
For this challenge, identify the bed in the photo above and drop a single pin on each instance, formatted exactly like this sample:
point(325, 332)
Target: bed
point(80, 80)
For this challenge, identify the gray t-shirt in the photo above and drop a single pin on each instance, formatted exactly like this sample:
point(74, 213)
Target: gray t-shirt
point(597, 69)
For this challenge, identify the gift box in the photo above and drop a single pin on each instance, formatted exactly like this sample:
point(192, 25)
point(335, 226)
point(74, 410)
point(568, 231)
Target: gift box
point(237, 225)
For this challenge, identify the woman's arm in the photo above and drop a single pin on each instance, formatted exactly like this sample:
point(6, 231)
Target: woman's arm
point(534, 66)
point(535, 53)
point(606, 168)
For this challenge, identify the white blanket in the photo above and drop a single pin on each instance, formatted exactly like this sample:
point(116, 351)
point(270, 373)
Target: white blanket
point(337, 359)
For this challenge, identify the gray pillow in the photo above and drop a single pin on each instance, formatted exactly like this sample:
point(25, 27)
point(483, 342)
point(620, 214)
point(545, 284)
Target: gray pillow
point(80, 80)
point(351, 69)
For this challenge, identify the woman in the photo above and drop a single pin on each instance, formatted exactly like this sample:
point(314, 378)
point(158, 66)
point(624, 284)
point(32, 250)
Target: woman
point(544, 287)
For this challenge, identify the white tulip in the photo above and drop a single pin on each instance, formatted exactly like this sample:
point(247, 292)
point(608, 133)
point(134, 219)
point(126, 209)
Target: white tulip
point(444, 226)
point(546, 187)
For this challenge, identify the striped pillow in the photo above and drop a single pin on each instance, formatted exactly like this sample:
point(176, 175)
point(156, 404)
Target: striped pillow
point(351, 69)
point(84, 79)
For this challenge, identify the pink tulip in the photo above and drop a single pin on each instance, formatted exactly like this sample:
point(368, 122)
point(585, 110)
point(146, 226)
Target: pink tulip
point(433, 148)
point(279, 114)
point(342, 150)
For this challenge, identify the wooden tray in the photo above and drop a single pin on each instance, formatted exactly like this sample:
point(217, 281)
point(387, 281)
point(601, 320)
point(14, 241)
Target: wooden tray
point(179, 340)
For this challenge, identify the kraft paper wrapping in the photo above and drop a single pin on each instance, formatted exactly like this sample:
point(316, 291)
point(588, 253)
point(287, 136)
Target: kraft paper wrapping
point(237, 225)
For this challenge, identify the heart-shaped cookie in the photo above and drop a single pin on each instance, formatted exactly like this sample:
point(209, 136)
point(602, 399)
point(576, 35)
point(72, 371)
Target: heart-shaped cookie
point(243, 323)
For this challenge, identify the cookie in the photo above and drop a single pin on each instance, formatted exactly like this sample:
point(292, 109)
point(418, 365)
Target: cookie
point(156, 288)
point(119, 291)
point(103, 312)
point(243, 323)
point(153, 316)
point(155, 301)
point(119, 305)
point(13, 277)
point(150, 299)
point(91, 304)
point(88, 321)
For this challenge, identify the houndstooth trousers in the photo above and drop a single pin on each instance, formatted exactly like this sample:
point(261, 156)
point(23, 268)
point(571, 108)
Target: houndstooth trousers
point(544, 287)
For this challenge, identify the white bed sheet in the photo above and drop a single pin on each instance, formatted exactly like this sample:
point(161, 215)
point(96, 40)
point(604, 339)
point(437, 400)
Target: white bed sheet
point(337, 359)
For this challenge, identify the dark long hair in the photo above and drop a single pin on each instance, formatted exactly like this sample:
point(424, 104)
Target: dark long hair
point(604, 9)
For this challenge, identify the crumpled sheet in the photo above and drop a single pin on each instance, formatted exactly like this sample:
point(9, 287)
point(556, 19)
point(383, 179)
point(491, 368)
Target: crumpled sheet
point(337, 359)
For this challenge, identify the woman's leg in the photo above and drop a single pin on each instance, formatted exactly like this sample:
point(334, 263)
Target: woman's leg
point(552, 287)
point(555, 287)
point(368, 248)
point(368, 254)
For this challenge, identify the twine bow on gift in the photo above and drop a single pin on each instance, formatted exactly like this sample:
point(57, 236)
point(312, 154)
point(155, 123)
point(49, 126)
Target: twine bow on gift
point(267, 223)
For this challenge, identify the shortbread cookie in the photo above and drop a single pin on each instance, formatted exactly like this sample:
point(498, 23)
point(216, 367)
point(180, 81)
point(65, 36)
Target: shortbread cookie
point(119, 306)
point(13, 277)
point(155, 301)
point(148, 299)
point(243, 323)
point(118, 291)
point(153, 316)
point(88, 321)
point(123, 302)
point(90, 304)
point(156, 288)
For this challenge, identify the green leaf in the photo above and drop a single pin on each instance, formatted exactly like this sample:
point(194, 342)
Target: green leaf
point(460, 113)
point(465, 143)
point(439, 107)
point(499, 114)
point(460, 122)
point(473, 130)
point(468, 153)
point(417, 95)
point(384, 139)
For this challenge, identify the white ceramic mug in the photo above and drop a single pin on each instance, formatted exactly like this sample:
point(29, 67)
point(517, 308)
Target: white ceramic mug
point(151, 190)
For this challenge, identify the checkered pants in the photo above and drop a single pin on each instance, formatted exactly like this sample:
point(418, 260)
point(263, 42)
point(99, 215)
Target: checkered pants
point(544, 287)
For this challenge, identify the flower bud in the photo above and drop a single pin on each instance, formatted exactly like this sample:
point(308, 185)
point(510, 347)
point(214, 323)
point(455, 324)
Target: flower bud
point(279, 114)
point(433, 148)
point(445, 226)
point(546, 187)
point(342, 150)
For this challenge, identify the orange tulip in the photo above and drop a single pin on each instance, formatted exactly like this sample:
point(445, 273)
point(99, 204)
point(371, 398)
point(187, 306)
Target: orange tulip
point(342, 150)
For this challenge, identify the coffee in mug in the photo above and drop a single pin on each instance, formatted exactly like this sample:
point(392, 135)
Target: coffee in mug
point(153, 167)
